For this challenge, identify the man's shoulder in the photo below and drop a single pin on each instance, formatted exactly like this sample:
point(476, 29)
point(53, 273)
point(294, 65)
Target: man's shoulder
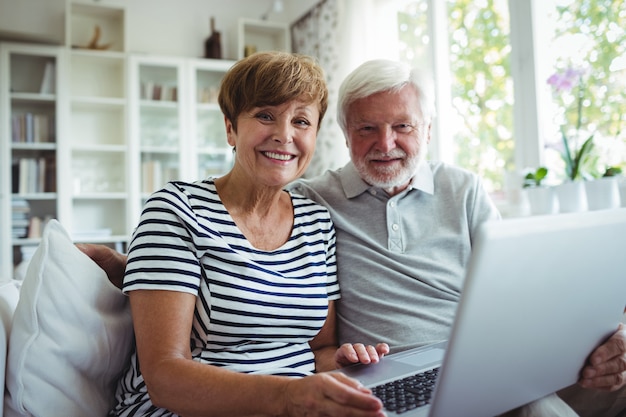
point(328, 182)
point(444, 173)
point(449, 170)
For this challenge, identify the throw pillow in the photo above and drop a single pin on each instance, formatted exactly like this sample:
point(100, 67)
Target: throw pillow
point(71, 336)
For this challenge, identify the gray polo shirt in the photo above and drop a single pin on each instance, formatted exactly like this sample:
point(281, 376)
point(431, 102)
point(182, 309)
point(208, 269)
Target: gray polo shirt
point(401, 260)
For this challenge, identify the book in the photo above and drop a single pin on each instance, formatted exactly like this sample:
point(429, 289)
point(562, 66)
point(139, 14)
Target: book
point(151, 176)
point(48, 80)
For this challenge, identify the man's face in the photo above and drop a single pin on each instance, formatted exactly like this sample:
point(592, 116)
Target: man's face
point(387, 137)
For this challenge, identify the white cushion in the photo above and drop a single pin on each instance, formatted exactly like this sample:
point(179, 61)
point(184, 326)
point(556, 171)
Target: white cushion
point(71, 335)
point(9, 294)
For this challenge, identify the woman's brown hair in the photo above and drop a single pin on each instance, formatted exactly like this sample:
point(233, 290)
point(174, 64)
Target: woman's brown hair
point(269, 79)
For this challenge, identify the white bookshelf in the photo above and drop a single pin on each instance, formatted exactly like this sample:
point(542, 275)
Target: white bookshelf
point(30, 127)
point(105, 130)
point(98, 147)
point(207, 135)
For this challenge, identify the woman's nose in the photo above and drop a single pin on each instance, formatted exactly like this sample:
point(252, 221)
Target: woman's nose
point(284, 132)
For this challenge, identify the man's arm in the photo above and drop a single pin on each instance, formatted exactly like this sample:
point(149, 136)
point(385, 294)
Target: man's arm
point(110, 260)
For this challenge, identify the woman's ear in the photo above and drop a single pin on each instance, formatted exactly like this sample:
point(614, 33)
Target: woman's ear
point(230, 132)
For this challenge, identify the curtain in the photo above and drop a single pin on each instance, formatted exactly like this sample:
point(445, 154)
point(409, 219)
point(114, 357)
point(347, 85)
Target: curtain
point(342, 34)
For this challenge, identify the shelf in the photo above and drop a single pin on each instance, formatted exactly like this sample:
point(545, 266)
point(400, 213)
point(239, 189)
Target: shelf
point(40, 146)
point(32, 97)
point(110, 146)
point(36, 196)
point(101, 75)
point(262, 35)
point(84, 19)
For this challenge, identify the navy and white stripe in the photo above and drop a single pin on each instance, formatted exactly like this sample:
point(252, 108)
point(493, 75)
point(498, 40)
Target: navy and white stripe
point(256, 310)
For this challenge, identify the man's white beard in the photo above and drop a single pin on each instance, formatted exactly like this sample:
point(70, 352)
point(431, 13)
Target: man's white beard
point(392, 177)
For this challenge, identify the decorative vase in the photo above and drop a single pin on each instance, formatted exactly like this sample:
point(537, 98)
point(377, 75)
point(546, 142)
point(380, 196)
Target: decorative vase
point(213, 44)
point(542, 200)
point(602, 193)
point(572, 196)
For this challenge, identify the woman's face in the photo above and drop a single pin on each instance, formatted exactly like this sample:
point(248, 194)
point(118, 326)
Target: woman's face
point(275, 143)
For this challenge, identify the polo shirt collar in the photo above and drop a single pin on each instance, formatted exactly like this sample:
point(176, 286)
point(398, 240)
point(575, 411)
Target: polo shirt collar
point(353, 185)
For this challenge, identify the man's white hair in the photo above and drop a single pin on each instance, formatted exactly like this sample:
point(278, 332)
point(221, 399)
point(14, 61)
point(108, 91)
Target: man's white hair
point(380, 75)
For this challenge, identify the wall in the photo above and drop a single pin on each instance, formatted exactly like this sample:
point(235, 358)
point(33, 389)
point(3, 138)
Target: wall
point(164, 27)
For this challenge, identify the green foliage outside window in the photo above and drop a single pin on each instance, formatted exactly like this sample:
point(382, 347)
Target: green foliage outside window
point(482, 90)
point(596, 29)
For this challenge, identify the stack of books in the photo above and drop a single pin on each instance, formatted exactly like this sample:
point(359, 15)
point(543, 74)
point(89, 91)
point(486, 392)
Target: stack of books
point(20, 212)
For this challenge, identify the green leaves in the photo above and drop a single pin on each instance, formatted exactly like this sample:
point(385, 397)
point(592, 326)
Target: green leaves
point(534, 179)
point(574, 163)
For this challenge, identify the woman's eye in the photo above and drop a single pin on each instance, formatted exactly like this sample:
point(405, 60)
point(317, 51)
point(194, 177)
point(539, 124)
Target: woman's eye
point(302, 122)
point(264, 116)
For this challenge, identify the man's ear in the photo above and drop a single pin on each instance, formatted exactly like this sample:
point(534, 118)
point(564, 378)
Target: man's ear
point(430, 125)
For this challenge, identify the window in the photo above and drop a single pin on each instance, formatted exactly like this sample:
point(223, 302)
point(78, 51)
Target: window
point(476, 61)
point(481, 118)
point(588, 42)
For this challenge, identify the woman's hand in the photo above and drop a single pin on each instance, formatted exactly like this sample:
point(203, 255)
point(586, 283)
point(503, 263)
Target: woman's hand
point(330, 394)
point(349, 354)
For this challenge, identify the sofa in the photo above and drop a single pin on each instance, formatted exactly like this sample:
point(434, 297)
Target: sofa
point(67, 334)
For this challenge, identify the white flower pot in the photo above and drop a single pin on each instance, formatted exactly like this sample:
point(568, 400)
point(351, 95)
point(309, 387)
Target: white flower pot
point(572, 196)
point(542, 200)
point(621, 185)
point(602, 193)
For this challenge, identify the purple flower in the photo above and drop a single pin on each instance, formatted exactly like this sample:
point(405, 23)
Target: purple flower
point(565, 81)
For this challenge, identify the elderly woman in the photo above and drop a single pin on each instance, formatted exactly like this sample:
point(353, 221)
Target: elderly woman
point(232, 280)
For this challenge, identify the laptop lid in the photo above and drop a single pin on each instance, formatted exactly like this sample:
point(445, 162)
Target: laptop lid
point(541, 293)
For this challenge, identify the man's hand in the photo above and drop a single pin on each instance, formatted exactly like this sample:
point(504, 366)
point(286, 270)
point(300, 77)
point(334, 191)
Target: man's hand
point(607, 364)
point(110, 260)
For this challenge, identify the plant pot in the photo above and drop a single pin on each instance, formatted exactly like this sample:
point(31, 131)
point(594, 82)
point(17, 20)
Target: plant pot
point(602, 193)
point(572, 196)
point(621, 185)
point(542, 200)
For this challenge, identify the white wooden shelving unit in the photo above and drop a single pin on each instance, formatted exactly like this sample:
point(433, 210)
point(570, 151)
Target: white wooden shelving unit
point(112, 139)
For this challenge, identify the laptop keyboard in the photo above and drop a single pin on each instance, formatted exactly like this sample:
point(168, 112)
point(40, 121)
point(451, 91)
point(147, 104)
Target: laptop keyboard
point(407, 393)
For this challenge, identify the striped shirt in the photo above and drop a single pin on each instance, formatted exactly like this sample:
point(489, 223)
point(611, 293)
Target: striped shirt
point(256, 310)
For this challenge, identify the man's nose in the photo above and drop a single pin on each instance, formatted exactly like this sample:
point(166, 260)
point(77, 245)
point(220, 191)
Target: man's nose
point(386, 139)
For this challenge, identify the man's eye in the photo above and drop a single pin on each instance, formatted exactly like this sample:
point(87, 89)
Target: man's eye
point(404, 127)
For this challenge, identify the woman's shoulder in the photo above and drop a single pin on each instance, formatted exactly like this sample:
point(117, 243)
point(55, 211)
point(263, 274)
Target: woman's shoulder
point(305, 208)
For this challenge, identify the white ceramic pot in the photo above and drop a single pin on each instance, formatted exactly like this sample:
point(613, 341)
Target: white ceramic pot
point(572, 196)
point(621, 185)
point(602, 193)
point(542, 200)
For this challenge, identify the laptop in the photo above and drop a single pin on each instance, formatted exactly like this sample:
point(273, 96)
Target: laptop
point(540, 294)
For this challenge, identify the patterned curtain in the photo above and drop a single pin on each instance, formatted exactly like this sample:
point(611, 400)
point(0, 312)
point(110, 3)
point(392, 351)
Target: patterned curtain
point(316, 34)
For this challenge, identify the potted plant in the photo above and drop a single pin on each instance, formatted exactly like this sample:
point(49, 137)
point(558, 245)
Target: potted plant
point(604, 192)
point(572, 193)
point(541, 198)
